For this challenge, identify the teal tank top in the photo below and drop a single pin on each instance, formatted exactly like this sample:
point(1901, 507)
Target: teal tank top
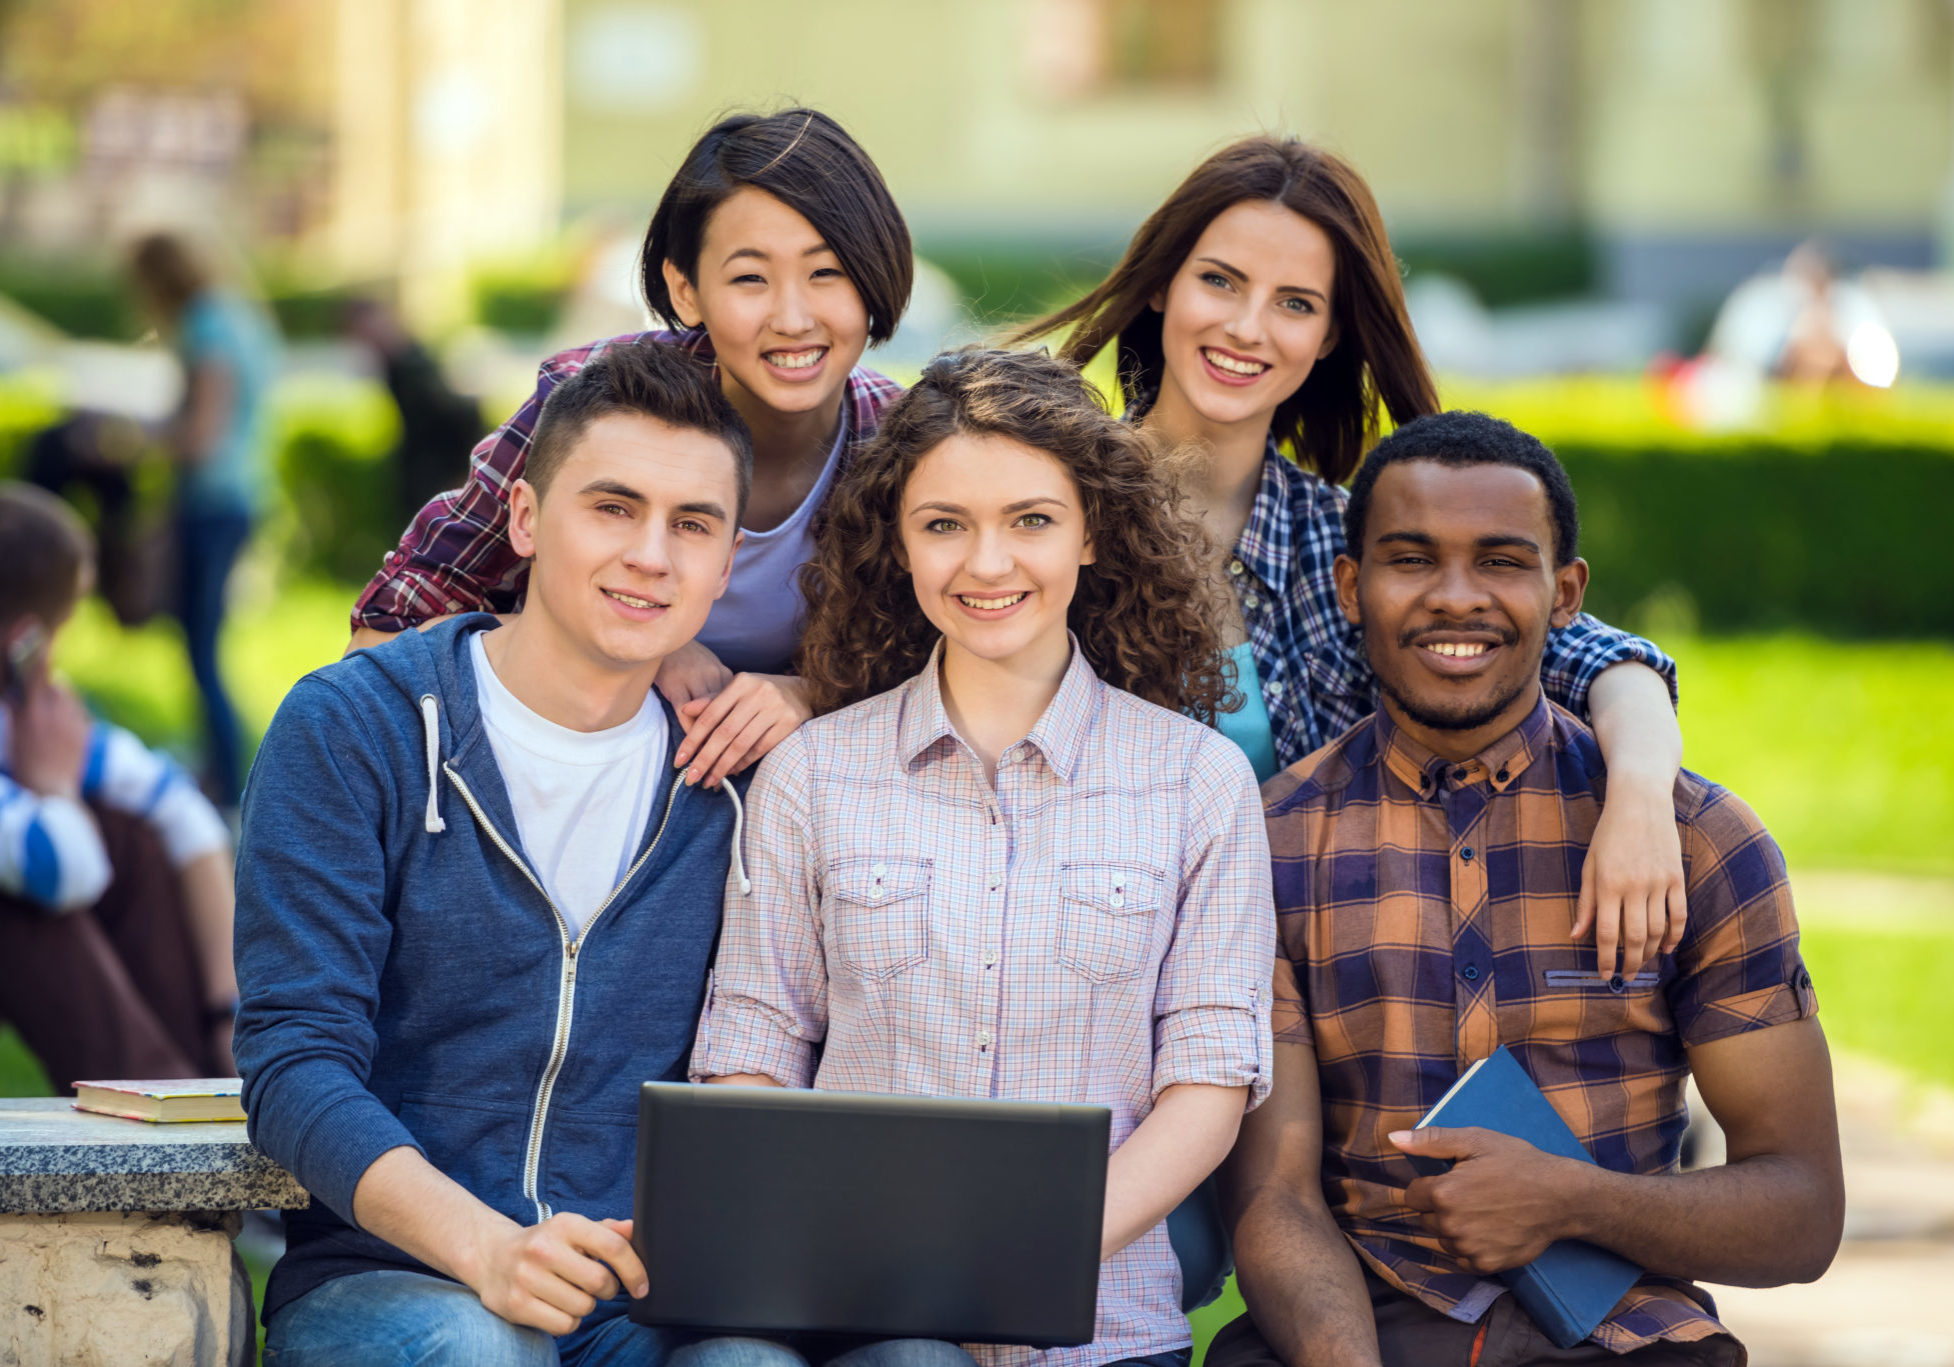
point(1248, 726)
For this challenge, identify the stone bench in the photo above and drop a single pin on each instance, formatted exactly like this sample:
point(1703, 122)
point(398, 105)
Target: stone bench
point(115, 1237)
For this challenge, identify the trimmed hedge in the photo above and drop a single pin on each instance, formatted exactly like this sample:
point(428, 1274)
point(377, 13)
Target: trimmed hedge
point(1844, 540)
point(1825, 515)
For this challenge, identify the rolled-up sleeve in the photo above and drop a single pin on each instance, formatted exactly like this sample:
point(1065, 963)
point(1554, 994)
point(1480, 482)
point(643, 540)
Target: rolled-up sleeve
point(1211, 1007)
point(1585, 649)
point(767, 1004)
point(1739, 967)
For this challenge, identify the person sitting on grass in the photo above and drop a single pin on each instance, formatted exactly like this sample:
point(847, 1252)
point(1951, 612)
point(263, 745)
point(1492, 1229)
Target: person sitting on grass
point(115, 871)
point(1427, 867)
point(476, 908)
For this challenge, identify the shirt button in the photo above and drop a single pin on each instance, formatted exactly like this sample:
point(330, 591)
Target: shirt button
point(1466, 854)
point(1273, 688)
point(878, 869)
point(1118, 900)
point(1501, 776)
point(1251, 602)
point(983, 1039)
point(990, 959)
point(1470, 973)
point(1462, 774)
point(1234, 567)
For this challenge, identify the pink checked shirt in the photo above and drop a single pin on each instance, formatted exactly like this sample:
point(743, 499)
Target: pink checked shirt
point(1096, 929)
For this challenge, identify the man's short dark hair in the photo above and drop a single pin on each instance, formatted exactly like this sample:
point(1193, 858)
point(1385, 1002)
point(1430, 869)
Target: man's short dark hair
point(648, 379)
point(47, 548)
point(808, 162)
point(1459, 438)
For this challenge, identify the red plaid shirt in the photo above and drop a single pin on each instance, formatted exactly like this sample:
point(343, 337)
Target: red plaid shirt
point(1422, 910)
point(455, 556)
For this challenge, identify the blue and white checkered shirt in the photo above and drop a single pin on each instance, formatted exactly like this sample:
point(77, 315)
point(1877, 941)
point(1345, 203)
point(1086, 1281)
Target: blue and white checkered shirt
point(51, 852)
point(1316, 678)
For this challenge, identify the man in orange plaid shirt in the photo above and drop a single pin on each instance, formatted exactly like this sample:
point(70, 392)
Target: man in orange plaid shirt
point(1427, 874)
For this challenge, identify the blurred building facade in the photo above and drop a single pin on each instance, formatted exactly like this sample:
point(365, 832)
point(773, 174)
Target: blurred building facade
point(1687, 140)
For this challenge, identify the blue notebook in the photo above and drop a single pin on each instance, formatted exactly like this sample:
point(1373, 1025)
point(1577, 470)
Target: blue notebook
point(1570, 1288)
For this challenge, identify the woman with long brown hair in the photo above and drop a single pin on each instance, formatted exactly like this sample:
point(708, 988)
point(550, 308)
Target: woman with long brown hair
point(1260, 309)
point(1004, 860)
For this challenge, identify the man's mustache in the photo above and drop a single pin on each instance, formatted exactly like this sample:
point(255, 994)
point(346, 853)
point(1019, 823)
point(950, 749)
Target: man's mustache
point(1505, 635)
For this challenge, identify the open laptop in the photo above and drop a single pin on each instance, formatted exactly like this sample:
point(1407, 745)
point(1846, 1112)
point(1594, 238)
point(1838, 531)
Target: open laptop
point(770, 1210)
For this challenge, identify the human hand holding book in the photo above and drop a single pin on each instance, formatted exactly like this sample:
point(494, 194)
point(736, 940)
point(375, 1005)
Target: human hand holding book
point(1502, 1187)
point(1502, 1201)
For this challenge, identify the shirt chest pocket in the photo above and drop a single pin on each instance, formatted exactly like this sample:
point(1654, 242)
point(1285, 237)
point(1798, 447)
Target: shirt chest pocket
point(1567, 1005)
point(877, 914)
point(1107, 914)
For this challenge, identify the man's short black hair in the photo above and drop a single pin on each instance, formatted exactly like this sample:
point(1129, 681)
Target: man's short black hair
point(650, 379)
point(1464, 438)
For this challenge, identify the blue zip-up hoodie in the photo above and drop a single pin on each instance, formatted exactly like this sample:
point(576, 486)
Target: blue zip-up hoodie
point(405, 981)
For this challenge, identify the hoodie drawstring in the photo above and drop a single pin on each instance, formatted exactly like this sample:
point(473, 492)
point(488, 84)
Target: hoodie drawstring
point(739, 831)
point(431, 726)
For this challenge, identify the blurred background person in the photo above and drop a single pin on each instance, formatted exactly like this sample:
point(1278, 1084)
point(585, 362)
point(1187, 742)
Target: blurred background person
point(116, 892)
point(439, 426)
point(1803, 324)
point(92, 456)
point(229, 353)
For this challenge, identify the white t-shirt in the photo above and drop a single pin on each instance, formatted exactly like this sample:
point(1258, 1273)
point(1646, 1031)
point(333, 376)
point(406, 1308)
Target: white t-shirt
point(581, 798)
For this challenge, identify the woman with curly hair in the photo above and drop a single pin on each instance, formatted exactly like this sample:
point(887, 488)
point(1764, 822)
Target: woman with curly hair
point(1004, 860)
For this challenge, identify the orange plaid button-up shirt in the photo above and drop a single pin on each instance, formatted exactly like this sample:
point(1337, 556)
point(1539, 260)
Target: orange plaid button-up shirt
point(1422, 917)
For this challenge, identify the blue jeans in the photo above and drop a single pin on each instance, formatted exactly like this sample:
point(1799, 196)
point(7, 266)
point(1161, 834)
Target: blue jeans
point(207, 546)
point(819, 1350)
point(409, 1319)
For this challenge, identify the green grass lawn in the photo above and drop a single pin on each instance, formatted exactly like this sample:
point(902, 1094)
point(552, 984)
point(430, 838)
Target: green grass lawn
point(1845, 750)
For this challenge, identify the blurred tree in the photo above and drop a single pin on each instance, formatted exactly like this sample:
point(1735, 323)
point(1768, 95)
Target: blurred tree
point(66, 51)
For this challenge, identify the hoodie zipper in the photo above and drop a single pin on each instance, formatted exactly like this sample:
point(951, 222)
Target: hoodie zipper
point(566, 993)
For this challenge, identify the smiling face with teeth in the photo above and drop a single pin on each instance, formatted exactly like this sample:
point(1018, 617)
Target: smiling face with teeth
point(628, 549)
point(1245, 319)
point(993, 537)
point(786, 322)
point(1456, 590)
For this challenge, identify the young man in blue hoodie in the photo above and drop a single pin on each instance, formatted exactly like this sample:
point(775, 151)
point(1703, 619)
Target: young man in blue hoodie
point(476, 907)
